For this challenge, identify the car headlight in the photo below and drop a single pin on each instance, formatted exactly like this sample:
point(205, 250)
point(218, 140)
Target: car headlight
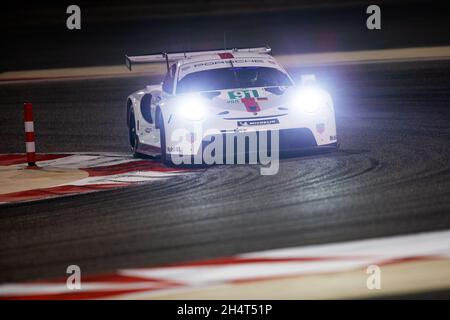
point(308, 99)
point(192, 108)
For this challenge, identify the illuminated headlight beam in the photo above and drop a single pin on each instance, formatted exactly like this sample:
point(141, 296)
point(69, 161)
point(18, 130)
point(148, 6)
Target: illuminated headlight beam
point(308, 99)
point(192, 108)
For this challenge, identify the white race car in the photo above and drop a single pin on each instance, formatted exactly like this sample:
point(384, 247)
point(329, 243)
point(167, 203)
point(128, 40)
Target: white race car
point(206, 94)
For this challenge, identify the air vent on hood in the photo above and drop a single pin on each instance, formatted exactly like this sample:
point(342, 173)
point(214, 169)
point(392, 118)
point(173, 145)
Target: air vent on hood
point(275, 90)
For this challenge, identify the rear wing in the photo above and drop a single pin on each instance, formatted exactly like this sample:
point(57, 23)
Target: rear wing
point(174, 56)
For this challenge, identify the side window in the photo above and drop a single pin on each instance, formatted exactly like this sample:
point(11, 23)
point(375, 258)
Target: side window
point(169, 79)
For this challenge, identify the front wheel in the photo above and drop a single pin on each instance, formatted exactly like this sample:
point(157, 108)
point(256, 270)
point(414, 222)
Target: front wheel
point(165, 158)
point(132, 135)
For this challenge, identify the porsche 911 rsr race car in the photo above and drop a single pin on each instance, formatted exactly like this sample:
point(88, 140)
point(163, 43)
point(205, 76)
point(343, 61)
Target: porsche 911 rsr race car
point(223, 93)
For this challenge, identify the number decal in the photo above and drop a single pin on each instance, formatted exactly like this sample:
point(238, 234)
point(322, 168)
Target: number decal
point(240, 94)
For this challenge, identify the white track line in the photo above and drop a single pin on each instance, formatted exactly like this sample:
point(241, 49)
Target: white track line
point(355, 254)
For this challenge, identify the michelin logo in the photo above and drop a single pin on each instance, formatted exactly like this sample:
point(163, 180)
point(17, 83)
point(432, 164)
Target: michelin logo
point(257, 122)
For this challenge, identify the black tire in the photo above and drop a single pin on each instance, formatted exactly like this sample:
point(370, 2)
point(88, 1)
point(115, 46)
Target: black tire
point(134, 141)
point(162, 136)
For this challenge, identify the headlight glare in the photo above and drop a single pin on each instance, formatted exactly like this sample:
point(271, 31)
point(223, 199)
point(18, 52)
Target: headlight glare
point(192, 108)
point(308, 99)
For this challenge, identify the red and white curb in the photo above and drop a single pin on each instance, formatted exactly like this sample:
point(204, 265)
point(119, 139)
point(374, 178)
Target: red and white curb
point(104, 171)
point(259, 267)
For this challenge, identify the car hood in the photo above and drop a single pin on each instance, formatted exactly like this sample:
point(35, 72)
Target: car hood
point(247, 102)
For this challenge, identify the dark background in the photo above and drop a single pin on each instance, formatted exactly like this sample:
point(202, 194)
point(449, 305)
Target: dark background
point(36, 36)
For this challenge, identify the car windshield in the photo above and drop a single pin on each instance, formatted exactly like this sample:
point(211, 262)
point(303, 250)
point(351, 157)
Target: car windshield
point(231, 78)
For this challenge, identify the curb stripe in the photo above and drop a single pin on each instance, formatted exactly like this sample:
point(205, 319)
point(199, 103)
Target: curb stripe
point(44, 193)
point(269, 269)
point(13, 159)
point(102, 172)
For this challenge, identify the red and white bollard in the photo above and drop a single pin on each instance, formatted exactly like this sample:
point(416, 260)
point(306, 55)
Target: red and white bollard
point(29, 134)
